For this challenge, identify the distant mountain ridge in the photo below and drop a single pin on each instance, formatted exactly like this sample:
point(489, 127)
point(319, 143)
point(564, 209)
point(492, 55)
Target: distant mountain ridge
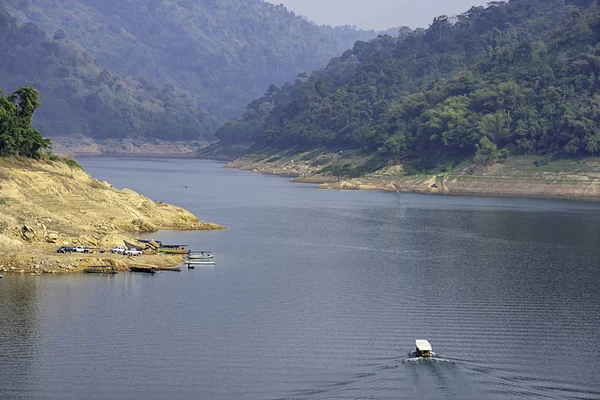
point(80, 97)
point(222, 53)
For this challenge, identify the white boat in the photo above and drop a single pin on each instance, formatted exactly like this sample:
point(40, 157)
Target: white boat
point(203, 255)
point(188, 263)
point(423, 348)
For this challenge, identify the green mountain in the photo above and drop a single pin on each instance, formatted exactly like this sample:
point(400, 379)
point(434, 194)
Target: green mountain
point(222, 53)
point(80, 96)
point(518, 77)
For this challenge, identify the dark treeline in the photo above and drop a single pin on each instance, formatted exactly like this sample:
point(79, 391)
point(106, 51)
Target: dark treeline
point(519, 77)
point(17, 137)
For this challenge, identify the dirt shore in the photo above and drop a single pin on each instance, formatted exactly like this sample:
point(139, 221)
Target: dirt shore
point(517, 176)
point(47, 204)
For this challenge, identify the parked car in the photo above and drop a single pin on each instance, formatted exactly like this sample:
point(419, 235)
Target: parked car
point(118, 250)
point(64, 249)
point(80, 249)
point(133, 252)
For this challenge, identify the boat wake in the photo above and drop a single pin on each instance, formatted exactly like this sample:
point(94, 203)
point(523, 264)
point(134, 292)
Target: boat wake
point(413, 358)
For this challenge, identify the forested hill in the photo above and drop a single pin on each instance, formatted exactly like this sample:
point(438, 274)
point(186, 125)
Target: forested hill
point(81, 97)
point(223, 53)
point(522, 76)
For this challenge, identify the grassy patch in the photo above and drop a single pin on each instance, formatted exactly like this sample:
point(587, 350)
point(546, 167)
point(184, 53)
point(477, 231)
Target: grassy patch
point(312, 155)
point(72, 163)
point(320, 162)
point(348, 170)
point(2, 202)
point(48, 156)
point(274, 158)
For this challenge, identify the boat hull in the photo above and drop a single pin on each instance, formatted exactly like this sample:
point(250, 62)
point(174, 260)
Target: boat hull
point(174, 269)
point(173, 251)
point(188, 263)
point(193, 257)
point(148, 270)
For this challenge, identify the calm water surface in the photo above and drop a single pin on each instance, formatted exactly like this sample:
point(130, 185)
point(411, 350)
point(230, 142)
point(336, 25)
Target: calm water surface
point(320, 295)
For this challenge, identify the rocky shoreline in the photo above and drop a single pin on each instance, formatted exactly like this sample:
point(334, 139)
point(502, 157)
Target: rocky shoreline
point(47, 204)
point(38, 261)
point(518, 176)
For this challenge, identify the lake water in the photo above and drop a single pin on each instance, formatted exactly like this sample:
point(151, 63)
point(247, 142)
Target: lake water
point(320, 295)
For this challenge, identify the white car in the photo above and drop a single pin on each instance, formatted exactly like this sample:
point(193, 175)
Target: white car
point(80, 249)
point(118, 250)
point(133, 252)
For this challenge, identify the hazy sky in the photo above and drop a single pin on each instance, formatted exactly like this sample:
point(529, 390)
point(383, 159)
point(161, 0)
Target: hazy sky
point(377, 14)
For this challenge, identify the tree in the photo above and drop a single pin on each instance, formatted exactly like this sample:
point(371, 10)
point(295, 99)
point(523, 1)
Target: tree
point(486, 153)
point(27, 100)
point(16, 135)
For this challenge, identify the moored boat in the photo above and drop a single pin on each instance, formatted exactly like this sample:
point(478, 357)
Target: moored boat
point(139, 268)
point(174, 249)
point(174, 269)
point(200, 255)
point(423, 348)
point(200, 262)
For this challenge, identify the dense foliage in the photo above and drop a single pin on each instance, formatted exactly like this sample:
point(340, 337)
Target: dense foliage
point(519, 76)
point(17, 137)
point(82, 97)
point(223, 53)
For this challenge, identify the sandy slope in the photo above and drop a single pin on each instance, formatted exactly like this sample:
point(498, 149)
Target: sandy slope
point(47, 204)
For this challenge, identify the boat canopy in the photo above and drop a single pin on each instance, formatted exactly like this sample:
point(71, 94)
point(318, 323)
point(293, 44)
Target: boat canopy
point(423, 345)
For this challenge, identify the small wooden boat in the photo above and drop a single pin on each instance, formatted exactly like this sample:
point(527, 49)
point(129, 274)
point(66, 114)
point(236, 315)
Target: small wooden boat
point(100, 269)
point(174, 269)
point(139, 268)
point(423, 348)
point(174, 249)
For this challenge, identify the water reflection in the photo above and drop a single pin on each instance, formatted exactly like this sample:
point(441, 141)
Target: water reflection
point(19, 334)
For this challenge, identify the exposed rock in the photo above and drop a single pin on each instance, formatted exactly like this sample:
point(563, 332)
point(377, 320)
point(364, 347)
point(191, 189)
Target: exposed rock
point(141, 226)
point(51, 237)
point(28, 233)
